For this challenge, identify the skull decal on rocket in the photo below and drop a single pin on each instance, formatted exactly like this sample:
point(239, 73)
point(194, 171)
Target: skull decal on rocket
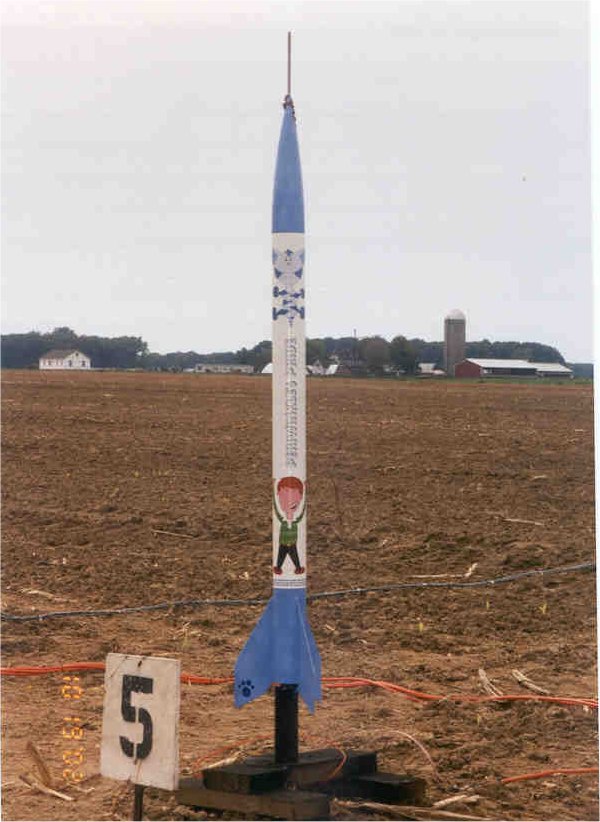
point(288, 291)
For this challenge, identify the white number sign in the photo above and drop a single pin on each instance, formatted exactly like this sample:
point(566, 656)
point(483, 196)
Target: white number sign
point(140, 726)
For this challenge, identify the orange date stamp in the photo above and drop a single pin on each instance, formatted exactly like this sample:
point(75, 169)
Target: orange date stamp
point(72, 732)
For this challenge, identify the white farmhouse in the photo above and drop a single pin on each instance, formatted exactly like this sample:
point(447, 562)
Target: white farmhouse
point(65, 360)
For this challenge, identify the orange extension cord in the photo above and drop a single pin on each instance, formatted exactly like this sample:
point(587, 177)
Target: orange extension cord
point(332, 682)
point(551, 772)
point(329, 682)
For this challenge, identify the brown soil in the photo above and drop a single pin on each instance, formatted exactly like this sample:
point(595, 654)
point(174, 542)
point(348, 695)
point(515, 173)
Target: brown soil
point(407, 479)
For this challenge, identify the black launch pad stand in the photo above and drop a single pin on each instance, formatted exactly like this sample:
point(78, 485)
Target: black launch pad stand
point(293, 785)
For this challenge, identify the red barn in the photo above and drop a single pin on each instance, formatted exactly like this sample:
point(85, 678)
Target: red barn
point(495, 368)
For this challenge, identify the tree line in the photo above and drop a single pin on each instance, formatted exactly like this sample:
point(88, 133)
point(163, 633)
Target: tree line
point(369, 355)
point(25, 350)
point(377, 355)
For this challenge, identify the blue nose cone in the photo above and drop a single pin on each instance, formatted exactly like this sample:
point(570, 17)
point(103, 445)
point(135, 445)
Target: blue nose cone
point(288, 200)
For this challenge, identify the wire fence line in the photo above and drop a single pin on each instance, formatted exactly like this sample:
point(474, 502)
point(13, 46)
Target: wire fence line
point(344, 592)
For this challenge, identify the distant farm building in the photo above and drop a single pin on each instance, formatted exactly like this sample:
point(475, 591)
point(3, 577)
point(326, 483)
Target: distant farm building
point(69, 359)
point(222, 368)
point(475, 367)
point(455, 326)
point(428, 369)
point(316, 369)
point(311, 370)
point(553, 369)
point(338, 369)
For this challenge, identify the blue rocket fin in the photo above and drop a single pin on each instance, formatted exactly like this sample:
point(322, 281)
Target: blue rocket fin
point(281, 650)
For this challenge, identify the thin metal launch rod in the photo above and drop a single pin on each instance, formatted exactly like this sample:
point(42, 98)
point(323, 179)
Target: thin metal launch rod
point(286, 696)
point(289, 65)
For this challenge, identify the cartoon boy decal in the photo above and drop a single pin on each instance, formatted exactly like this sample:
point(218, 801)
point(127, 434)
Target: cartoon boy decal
point(289, 495)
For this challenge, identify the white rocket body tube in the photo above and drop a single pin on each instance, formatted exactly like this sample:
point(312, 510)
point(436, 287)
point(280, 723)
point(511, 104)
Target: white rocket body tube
point(289, 412)
point(281, 648)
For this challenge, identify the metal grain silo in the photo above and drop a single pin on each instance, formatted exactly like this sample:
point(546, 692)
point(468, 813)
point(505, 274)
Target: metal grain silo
point(455, 325)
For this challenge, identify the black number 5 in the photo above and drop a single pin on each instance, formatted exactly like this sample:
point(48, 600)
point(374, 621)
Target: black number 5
point(143, 685)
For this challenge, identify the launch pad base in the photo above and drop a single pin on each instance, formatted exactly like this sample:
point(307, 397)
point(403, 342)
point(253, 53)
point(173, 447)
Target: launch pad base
point(298, 790)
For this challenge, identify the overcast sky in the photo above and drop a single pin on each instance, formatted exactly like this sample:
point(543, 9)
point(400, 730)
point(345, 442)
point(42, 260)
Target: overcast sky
point(445, 150)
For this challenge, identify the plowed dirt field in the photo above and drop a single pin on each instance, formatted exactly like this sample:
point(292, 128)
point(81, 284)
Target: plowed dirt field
point(126, 489)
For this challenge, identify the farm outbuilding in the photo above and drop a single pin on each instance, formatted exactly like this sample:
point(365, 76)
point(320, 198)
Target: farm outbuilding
point(268, 369)
point(475, 367)
point(64, 360)
point(495, 368)
point(553, 369)
point(316, 369)
point(222, 368)
point(337, 369)
point(428, 369)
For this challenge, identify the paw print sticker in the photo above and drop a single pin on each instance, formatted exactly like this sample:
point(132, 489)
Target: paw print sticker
point(246, 687)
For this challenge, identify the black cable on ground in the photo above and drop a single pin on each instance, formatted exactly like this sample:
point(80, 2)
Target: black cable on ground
point(477, 583)
point(198, 603)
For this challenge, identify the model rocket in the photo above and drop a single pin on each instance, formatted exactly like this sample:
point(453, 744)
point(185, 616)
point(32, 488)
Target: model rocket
point(281, 649)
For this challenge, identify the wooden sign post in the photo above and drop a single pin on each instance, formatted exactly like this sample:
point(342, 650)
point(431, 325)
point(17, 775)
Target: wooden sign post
point(140, 725)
